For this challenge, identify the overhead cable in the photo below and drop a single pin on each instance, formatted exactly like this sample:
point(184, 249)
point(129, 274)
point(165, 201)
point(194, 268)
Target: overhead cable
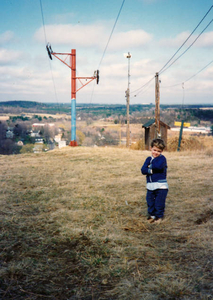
point(185, 40)
point(142, 91)
point(45, 37)
point(189, 77)
point(111, 33)
point(199, 71)
point(139, 90)
point(42, 15)
point(163, 68)
point(113, 28)
point(187, 48)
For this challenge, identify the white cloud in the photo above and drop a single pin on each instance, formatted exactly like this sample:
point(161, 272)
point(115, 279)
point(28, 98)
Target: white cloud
point(146, 67)
point(175, 42)
point(95, 36)
point(205, 40)
point(6, 37)
point(9, 56)
point(130, 39)
point(114, 70)
point(75, 35)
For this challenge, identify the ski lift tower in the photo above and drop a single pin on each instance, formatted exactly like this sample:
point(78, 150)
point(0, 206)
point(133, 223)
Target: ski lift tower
point(71, 63)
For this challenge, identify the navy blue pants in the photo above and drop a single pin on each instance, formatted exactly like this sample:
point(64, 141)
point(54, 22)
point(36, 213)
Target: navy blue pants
point(156, 202)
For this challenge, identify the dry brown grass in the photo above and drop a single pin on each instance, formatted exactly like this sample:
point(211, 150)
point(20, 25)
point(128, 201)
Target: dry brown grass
point(73, 226)
point(188, 143)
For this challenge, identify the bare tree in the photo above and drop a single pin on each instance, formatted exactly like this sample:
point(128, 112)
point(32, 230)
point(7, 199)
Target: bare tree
point(20, 130)
point(3, 130)
point(48, 132)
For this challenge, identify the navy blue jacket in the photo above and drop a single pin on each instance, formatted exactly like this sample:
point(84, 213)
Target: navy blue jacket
point(155, 170)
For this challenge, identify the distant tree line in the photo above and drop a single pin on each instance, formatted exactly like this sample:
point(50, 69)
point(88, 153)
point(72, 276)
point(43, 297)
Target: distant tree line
point(202, 114)
point(18, 107)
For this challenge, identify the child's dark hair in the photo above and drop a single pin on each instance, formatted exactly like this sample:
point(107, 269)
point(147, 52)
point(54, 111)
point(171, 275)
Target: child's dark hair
point(159, 143)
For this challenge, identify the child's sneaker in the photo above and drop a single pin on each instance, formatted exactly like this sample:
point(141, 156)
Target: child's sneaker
point(151, 219)
point(158, 220)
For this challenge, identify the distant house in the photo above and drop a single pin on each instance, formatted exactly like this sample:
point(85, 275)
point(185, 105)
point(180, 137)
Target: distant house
point(57, 138)
point(42, 125)
point(35, 134)
point(151, 132)
point(9, 133)
point(110, 119)
point(61, 144)
point(39, 140)
point(20, 143)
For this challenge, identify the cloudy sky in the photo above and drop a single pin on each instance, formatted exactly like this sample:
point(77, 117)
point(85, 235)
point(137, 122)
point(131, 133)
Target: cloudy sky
point(151, 30)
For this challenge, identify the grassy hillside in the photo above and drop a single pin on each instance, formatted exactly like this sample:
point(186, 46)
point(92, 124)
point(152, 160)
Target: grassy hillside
point(73, 226)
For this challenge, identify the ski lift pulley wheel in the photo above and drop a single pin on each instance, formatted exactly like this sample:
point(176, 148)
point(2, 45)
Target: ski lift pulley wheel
point(49, 51)
point(97, 76)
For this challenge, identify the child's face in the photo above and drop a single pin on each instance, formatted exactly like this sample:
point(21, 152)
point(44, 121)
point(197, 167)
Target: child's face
point(156, 151)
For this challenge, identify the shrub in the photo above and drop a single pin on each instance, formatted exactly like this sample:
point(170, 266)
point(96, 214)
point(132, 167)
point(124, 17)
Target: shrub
point(139, 145)
point(28, 148)
point(190, 143)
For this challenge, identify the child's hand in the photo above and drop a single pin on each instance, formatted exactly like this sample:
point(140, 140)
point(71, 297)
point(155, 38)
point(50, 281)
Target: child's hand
point(150, 169)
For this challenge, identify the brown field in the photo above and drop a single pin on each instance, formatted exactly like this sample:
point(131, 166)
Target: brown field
point(4, 118)
point(73, 226)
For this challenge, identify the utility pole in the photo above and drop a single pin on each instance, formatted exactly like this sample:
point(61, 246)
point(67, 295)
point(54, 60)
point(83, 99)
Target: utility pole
point(182, 123)
point(120, 132)
point(127, 103)
point(157, 106)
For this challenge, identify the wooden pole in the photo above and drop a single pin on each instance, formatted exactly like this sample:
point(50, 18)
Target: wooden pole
point(127, 104)
point(157, 106)
point(120, 132)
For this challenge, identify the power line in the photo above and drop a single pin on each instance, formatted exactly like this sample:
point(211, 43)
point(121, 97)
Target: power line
point(143, 91)
point(168, 86)
point(199, 71)
point(113, 28)
point(92, 92)
point(186, 40)
point(111, 33)
point(42, 16)
point(189, 77)
point(45, 37)
point(143, 86)
point(188, 47)
point(163, 68)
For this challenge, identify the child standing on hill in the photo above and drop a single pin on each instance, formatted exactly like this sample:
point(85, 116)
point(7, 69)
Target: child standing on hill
point(155, 169)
